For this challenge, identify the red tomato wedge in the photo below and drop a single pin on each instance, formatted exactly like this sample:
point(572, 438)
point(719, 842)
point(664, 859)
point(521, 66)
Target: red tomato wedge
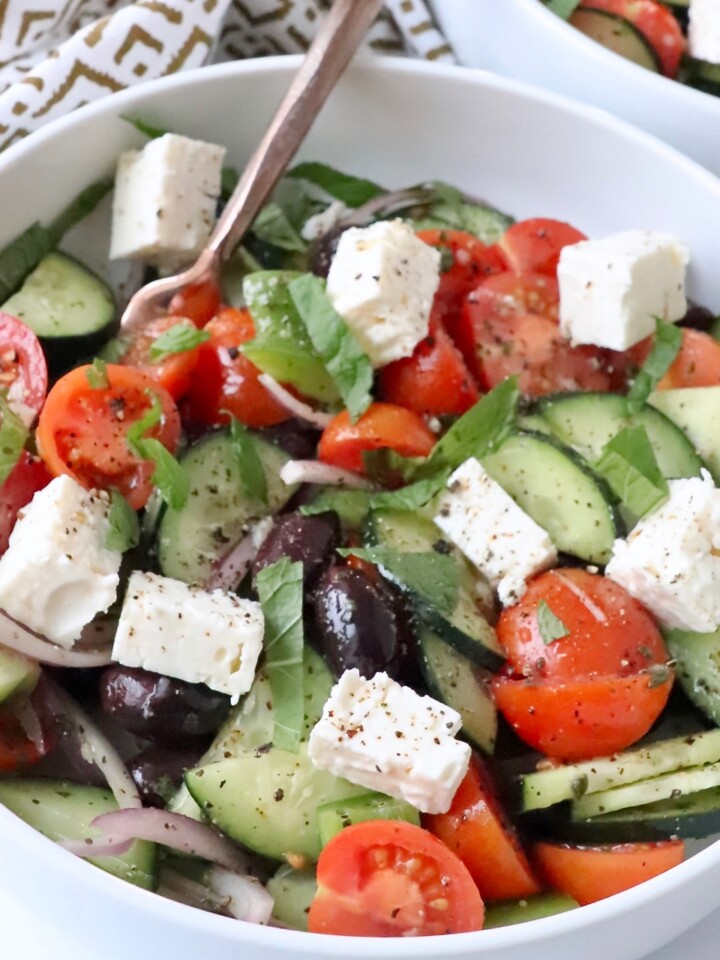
point(655, 22)
point(578, 720)
point(589, 874)
point(477, 831)
point(83, 430)
point(173, 372)
point(697, 363)
point(382, 426)
point(535, 245)
point(17, 748)
point(23, 370)
point(198, 302)
point(608, 632)
point(388, 878)
point(224, 380)
point(27, 477)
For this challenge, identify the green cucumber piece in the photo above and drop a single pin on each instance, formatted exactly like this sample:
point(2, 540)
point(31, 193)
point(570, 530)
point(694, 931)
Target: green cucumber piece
point(218, 511)
point(268, 801)
point(702, 74)
point(543, 788)
point(617, 34)
point(540, 905)
point(697, 656)
point(17, 674)
point(696, 411)
point(333, 817)
point(486, 223)
point(64, 811)
point(454, 680)
point(293, 891)
point(559, 491)
point(466, 628)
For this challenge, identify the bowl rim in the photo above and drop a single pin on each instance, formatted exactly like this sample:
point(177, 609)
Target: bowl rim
point(656, 83)
point(532, 932)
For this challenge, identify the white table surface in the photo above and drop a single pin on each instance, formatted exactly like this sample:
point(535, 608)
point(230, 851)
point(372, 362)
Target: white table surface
point(25, 936)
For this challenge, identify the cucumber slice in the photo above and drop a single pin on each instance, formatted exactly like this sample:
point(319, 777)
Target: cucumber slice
point(454, 680)
point(67, 306)
point(559, 491)
point(63, 811)
point(617, 34)
point(531, 908)
point(17, 674)
point(671, 786)
point(586, 421)
point(293, 891)
point(333, 817)
point(486, 223)
point(702, 75)
point(544, 788)
point(268, 801)
point(466, 628)
point(698, 668)
point(696, 411)
point(218, 512)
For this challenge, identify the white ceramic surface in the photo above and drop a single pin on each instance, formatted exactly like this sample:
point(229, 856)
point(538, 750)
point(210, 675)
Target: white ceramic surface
point(399, 123)
point(522, 39)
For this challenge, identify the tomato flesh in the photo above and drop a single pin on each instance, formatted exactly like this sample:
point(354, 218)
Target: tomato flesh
point(388, 878)
point(198, 302)
point(174, 372)
point(697, 363)
point(535, 245)
point(23, 369)
point(27, 477)
point(17, 749)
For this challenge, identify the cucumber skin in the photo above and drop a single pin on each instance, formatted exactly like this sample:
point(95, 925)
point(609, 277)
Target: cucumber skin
point(697, 656)
point(508, 913)
point(293, 891)
point(335, 816)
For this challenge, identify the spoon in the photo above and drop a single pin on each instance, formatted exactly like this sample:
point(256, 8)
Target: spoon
point(331, 51)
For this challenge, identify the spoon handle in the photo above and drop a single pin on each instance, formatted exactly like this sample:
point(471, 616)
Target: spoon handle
point(332, 49)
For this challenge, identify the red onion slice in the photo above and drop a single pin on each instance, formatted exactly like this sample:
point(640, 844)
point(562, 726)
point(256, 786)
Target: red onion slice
point(16, 637)
point(297, 408)
point(100, 847)
point(176, 886)
point(313, 471)
point(230, 570)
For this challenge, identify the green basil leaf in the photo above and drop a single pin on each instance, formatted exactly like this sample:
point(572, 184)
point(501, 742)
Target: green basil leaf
point(412, 497)
point(351, 506)
point(177, 339)
point(96, 374)
point(114, 350)
point(280, 589)
point(435, 577)
point(272, 226)
point(352, 191)
point(229, 178)
point(563, 8)
point(386, 466)
point(629, 466)
point(335, 343)
point(550, 626)
point(124, 532)
point(13, 437)
point(169, 478)
point(148, 130)
point(667, 343)
point(251, 467)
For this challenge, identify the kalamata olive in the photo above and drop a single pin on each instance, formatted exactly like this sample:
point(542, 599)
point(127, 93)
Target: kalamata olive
point(361, 623)
point(698, 318)
point(311, 540)
point(323, 250)
point(296, 437)
point(160, 708)
point(158, 772)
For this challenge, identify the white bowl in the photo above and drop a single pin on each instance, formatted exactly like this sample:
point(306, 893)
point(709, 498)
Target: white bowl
point(532, 154)
point(523, 39)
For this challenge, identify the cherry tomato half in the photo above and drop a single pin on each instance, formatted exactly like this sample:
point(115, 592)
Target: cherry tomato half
point(27, 477)
point(83, 430)
point(198, 302)
point(388, 878)
point(697, 363)
point(23, 369)
point(173, 372)
point(535, 245)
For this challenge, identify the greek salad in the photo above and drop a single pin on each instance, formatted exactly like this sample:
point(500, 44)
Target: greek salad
point(372, 590)
point(679, 39)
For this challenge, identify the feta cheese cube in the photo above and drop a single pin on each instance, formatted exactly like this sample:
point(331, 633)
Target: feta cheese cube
point(165, 200)
point(57, 572)
point(704, 30)
point(185, 632)
point(494, 533)
point(670, 561)
point(611, 290)
point(382, 281)
point(384, 736)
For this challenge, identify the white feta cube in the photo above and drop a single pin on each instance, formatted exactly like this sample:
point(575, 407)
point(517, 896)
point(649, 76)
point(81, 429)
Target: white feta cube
point(57, 572)
point(494, 533)
point(169, 627)
point(611, 290)
point(165, 200)
point(382, 281)
point(670, 561)
point(704, 30)
point(384, 736)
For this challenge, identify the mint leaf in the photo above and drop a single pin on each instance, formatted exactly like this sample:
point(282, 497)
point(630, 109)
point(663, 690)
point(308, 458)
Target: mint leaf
point(412, 497)
point(124, 532)
point(13, 437)
point(114, 350)
point(351, 506)
point(386, 466)
point(96, 374)
point(148, 130)
point(280, 589)
point(334, 342)
point(435, 577)
point(563, 8)
point(272, 226)
point(550, 626)
point(177, 339)
point(251, 467)
point(667, 343)
point(352, 191)
point(629, 466)
point(169, 477)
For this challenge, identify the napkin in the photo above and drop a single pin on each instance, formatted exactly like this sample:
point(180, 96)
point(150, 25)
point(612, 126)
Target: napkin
point(56, 55)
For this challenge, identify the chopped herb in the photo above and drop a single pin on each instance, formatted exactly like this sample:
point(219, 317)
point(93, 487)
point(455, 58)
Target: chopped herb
point(447, 258)
point(97, 375)
point(550, 626)
point(114, 350)
point(563, 8)
point(659, 674)
point(124, 533)
point(179, 338)
point(629, 466)
point(412, 497)
point(579, 786)
point(386, 466)
point(273, 226)
point(352, 191)
point(433, 576)
point(351, 506)
point(667, 342)
point(148, 130)
point(169, 477)
point(251, 467)
point(13, 437)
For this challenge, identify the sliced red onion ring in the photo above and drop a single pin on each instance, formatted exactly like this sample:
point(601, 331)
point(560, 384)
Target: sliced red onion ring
point(246, 898)
point(297, 408)
point(169, 829)
point(100, 847)
point(30, 721)
point(16, 637)
point(230, 571)
point(313, 471)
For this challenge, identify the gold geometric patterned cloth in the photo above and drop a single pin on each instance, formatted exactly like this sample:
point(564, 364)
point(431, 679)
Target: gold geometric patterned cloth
point(56, 55)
